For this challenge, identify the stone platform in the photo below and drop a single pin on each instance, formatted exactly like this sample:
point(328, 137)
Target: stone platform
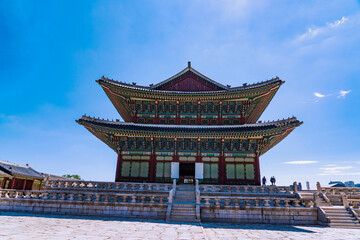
point(200, 203)
point(30, 226)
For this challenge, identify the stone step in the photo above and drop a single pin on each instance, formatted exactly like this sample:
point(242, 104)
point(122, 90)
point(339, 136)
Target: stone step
point(343, 221)
point(343, 217)
point(184, 203)
point(338, 214)
point(184, 220)
point(344, 225)
point(183, 209)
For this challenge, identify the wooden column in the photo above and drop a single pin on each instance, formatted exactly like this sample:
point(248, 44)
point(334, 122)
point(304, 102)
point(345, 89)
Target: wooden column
point(198, 155)
point(4, 182)
point(257, 170)
point(198, 118)
point(219, 115)
point(156, 120)
point(222, 172)
point(118, 168)
point(152, 163)
point(12, 183)
point(177, 113)
point(24, 185)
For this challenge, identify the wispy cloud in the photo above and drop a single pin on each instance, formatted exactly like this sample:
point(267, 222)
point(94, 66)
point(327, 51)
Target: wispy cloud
point(315, 31)
point(301, 162)
point(343, 93)
point(336, 170)
point(319, 95)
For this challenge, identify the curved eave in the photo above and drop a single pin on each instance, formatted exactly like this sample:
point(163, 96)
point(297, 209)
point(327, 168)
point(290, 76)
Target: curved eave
point(271, 132)
point(259, 95)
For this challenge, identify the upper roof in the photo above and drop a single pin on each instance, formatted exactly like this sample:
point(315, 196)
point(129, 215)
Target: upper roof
point(256, 96)
point(18, 170)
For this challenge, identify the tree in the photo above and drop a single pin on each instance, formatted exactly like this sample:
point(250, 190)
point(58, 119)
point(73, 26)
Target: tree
point(75, 176)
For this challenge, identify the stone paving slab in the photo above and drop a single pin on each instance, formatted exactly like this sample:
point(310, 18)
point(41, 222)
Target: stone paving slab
point(31, 226)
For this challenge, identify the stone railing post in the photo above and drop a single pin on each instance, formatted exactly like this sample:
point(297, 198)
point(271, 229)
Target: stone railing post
point(344, 200)
point(174, 187)
point(318, 187)
point(295, 187)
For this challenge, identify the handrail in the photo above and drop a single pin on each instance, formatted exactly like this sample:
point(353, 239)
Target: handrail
point(89, 197)
point(351, 210)
point(174, 187)
point(236, 201)
point(198, 199)
point(246, 189)
point(108, 186)
point(169, 205)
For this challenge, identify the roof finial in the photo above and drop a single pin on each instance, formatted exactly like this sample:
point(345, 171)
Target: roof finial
point(189, 64)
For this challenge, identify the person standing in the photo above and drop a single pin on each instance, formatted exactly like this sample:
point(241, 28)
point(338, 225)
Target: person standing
point(264, 181)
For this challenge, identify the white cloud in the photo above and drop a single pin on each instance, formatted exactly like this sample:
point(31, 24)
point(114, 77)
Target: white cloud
point(301, 162)
point(319, 95)
point(315, 31)
point(336, 170)
point(343, 93)
point(340, 174)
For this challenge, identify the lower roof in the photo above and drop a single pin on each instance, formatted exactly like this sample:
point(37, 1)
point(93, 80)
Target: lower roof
point(273, 132)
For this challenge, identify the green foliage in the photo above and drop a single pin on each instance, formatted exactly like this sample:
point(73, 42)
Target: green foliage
point(75, 176)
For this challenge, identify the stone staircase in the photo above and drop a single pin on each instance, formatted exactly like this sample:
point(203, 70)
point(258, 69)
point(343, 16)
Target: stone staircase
point(184, 204)
point(340, 217)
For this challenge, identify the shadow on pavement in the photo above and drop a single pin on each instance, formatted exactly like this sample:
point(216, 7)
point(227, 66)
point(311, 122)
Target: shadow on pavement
point(205, 225)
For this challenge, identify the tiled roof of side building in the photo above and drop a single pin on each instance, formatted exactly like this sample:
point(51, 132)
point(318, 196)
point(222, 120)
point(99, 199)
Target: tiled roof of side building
point(19, 170)
point(190, 128)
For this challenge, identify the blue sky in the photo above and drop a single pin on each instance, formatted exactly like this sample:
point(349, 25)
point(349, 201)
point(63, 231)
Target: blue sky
point(51, 52)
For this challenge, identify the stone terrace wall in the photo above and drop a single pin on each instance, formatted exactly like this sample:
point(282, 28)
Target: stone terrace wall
point(88, 204)
point(272, 215)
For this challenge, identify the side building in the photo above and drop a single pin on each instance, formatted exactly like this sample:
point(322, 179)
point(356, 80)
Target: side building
point(188, 127)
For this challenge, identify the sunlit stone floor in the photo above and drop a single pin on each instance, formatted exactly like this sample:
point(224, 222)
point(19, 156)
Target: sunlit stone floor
point(30, 226)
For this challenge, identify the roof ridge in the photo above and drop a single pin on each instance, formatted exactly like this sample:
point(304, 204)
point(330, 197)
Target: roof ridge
point(14, 164)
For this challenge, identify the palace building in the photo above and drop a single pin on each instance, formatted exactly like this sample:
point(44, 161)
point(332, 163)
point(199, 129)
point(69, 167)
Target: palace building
point(189, 127)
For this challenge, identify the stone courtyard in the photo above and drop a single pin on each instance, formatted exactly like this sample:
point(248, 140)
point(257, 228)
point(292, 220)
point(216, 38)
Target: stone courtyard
point(31, 226)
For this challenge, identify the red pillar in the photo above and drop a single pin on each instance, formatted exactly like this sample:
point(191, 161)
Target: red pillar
point(118, 168)
point(24, 185)
point(257, 171)
point(152, 169)
point(222, 172)
point(12, 183)
point(4, 182)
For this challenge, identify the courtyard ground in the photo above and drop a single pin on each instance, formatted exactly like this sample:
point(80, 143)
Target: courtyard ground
point(31, 226)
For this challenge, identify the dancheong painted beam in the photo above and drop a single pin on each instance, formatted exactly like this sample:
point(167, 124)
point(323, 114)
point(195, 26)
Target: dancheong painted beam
point(190, 127)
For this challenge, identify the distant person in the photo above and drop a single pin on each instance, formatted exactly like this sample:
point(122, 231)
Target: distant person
point(264, 181)
point(272, 180)
point(299, 186)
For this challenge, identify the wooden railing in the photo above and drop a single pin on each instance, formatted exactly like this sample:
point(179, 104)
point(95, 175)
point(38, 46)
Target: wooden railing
point(90, 197)
point(217, 201)
point(246, 189)
point(108, 186)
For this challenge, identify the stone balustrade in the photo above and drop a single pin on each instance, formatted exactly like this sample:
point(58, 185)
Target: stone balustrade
point(246, 189)
point(88, 197)
point(229, 201)
point(339, 190)
point(355, 203)
point(107, 186)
